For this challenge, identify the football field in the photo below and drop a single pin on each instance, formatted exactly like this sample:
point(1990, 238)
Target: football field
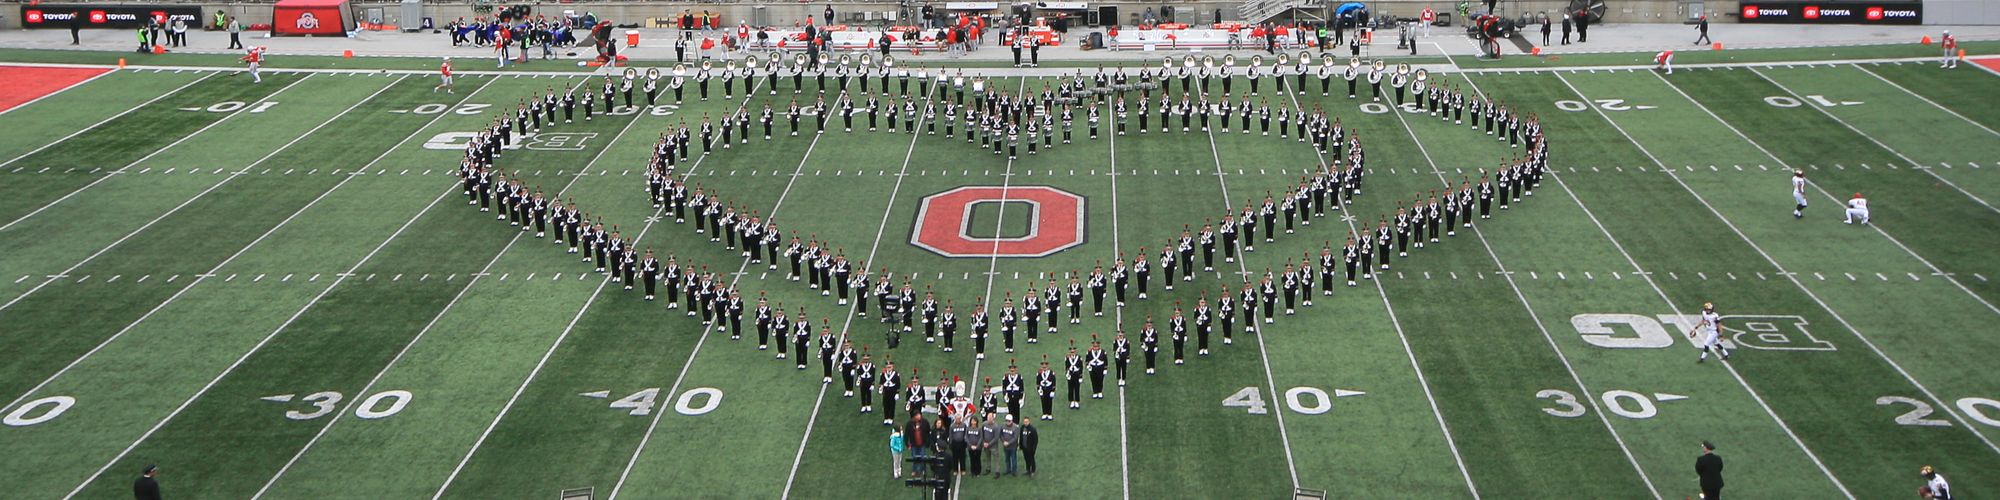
point(279, 290)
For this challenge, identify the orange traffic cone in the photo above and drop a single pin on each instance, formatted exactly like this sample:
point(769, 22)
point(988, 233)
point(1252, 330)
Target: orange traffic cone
point(121, 63)
point(159, 49)
point(1535, 51)
point(1927, 40)
point(347, 54)
point(1961, 53)
point(1718, 45)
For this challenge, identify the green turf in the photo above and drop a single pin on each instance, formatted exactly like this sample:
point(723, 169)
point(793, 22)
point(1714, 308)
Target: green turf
point(1457, 366)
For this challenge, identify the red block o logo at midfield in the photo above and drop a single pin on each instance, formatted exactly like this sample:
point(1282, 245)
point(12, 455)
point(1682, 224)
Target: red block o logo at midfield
point(942, 221)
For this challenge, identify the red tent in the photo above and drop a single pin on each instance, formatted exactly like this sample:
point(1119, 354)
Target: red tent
point(311, 17)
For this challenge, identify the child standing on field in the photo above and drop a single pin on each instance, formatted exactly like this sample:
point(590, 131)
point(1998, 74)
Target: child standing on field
point(896, 452)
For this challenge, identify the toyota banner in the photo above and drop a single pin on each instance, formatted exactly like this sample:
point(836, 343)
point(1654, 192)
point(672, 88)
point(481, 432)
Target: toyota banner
point(105, 16)
point(1833, 12)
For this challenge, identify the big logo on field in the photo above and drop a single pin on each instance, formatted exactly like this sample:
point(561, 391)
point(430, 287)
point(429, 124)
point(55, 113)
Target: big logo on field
point(944, 222)
point(1746, 331)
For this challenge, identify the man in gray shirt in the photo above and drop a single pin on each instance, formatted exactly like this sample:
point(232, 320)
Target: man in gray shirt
point(958, 430)
point(1010, 440)
point(994, 440)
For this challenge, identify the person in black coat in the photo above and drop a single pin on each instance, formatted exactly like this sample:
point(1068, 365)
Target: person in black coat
point(1709, 467)
point(1582, 26)
point(1565, 29)
point(1030, 439)
point(1545, 31)
point(146, 488)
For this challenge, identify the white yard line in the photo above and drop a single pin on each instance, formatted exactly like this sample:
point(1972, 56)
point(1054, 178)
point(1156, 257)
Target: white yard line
point(1927, 100)
point(1416, 367)
point(1948, 409)
point(61, 90)
point(1885, 147)
point(384, 372)
point(100, 179)
point(100, 123)
point(1270, 379)
point(1648, 277)
point(218, 266)
point(1595, 407)
point(813, 419)
point(1837, 201)
point(288, 321)
point(1118, 325)
point(992, 274)
point(184, 204)
point(703, 341)
point(543, 362)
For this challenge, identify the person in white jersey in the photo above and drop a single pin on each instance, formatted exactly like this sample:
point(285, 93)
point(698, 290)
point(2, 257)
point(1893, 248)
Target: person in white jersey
point(1707, 334)
point(1857, 207)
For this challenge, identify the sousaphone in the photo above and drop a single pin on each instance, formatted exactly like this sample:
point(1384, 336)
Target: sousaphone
point(1423, 79)
point(1284, 60)
point(846, 59)
point(799, 60)
point(652, 74)
point(631, 73)
point(707, 64)
point(1167, 62)
point(888, 61)
point(731, 65)
point(1209, 61)
point(752, 62)
point(1188, 61)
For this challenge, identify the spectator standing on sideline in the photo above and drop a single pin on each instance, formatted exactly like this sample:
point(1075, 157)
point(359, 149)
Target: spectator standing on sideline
point(75, 25)
point(896, 452)
point(1010, 441)
point(146, 488)
point(1030, 439)
point(236, 33)
point(829, 14)
point(1565, 29)
point(1583, 26)
point(1702, 26)
point(1545, 30)
point(917, 434)
point(1709, 467)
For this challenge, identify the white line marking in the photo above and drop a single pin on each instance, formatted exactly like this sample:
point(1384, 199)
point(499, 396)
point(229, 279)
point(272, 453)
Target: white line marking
point(1270, 380)
point(87, 129)
point(1676, 308)
point(106, 120)
point(369, 387)
point(1118, 323)
point(1809, 293)
point(880, 230)
point(282, 326)
point(177, 208)
point(1532, 314)
point(1885, 147)
point(571, 327)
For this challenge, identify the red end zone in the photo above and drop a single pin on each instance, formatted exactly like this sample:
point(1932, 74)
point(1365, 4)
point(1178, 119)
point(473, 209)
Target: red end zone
point(1990, 63)
point(25, 84)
